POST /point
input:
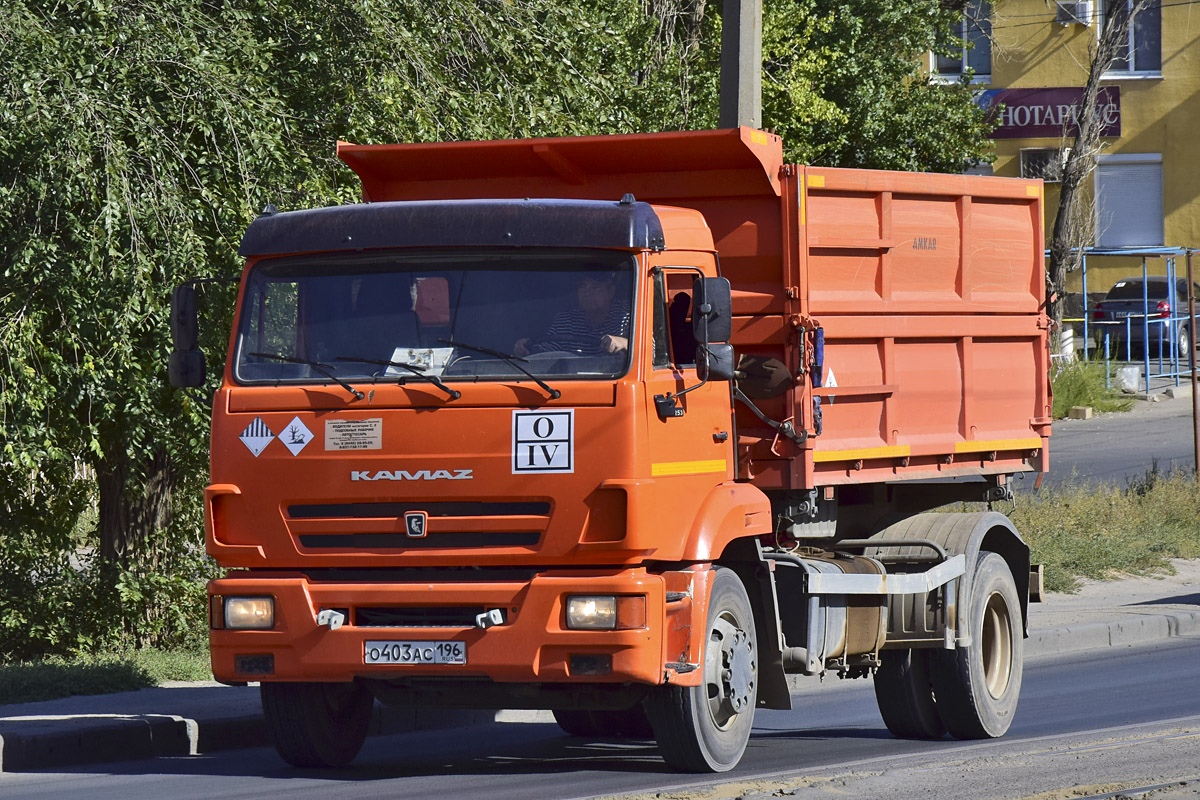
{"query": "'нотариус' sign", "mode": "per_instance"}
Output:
(1049, 113)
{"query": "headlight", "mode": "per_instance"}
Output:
(606, 612)
(592, 612)
(250, 613)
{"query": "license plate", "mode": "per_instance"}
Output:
(392, 652)
(1125, 314)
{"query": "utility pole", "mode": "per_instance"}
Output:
(741, 64)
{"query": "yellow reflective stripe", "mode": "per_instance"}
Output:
(816, 181)
(900, 451)
(998, 444)
(688, 467)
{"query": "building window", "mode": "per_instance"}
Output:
(1141, 50)
(1129, 201)
(972, 50)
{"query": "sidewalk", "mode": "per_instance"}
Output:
(192, 718)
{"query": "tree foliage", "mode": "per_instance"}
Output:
(842, 84)
(137, 138)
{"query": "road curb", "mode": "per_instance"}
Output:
(1133, 629)
(35, 743)
(55, 741)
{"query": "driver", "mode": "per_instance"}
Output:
(595, 326)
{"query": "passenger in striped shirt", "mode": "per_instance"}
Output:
(596, 326)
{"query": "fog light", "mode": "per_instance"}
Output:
(592, 612)
(250, 613)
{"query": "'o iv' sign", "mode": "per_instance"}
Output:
(543, 441)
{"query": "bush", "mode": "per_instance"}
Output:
(1081, 383)
(55, 676)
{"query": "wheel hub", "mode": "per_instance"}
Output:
(738, 676)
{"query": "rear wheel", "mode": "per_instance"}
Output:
(317, 724)
(904, 692)
(1184, 344)
(705, 728)
(977, 686)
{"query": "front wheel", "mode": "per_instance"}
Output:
(317, 724)
(977, 686)
(705, 728)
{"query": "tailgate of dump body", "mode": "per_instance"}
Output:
(927, 289)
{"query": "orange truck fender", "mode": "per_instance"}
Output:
(729, 512)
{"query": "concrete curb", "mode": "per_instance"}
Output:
(64, 741)
(53, 741)
(1136, 628)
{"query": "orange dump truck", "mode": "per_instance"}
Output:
(629, 428)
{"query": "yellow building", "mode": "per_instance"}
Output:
(1033, 56)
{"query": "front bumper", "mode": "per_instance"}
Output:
(531, 645)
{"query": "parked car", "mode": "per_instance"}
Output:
(1121, 311)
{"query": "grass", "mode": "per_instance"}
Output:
(1081, 383)
(57, 676)
(1090, 532)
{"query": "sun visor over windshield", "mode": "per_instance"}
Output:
(457, 223)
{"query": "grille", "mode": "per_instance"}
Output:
(451, 524)
(408, 617)
(447, 509)
(400, 541)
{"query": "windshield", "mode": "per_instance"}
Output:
(452, 316)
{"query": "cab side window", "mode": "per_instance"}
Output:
(674, 345)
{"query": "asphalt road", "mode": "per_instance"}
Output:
(1118, 448)
(1136, 696)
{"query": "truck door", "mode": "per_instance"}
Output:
(692, 452)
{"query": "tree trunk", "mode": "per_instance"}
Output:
(131, 516)
(1070, 233)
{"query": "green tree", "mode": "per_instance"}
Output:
(843, 84)
(138, 137)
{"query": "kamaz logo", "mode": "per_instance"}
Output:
(924, 243)
(405, 475)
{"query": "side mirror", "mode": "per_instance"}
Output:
(712, 310)
(186, 369)
(715, 362)
(185, 330)
(760, 377)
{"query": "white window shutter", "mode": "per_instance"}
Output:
(1129, 204)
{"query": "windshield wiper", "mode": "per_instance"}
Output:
(508, 358)
(324, 369)
(415, 370)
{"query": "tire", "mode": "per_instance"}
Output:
(705, 728)
(630, 723)
(1184, 344)
(317, 724)
(977, 687)
(904, 692)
